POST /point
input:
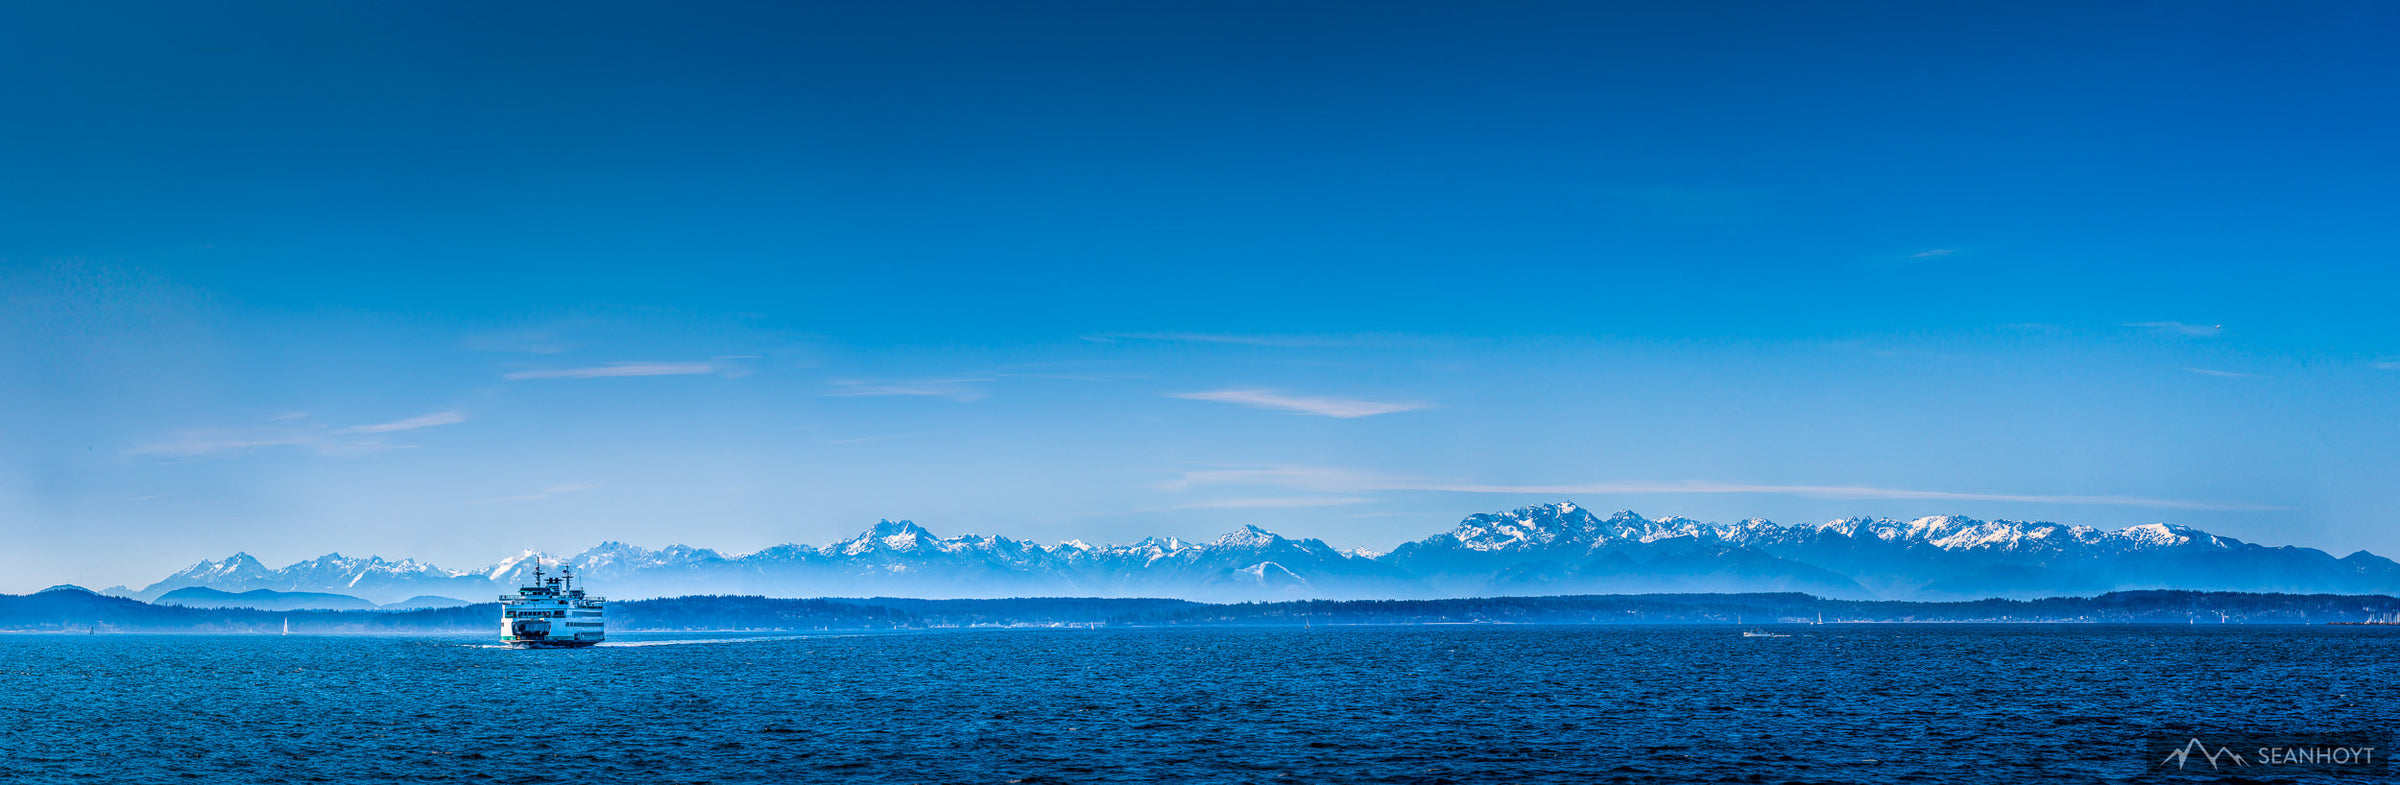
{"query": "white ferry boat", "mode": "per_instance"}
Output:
(552, 613)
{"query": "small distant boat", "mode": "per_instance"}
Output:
(287, 625)
(1762, 634)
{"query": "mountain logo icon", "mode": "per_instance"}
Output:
(2182, 756)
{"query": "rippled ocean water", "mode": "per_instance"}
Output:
(1835, 703)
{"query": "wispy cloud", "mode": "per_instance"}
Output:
(1322, 407)
(410, 424)
(1257, 503)
(224, 441)
(962, 390)
(2180, 328)
(1272, 503)
(1337, 480)
(2385, 364)
(1347, 340)
(1933, 253)
(2224, 374)
(1852, 492)
(617, 369)
(289, 430)
(543, 494)
(1311, 478)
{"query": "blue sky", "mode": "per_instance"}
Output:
(448, 281)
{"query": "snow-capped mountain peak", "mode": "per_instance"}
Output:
(236, 567)
(2166, 535)
(1533, 527)
(617, 558)
(525, 560)
(888, 536)
(1553, 527)
(612, 554)
(680, 553)
(1166, 544)
(1248, 537)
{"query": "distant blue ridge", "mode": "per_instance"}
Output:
(1551, 549)
(78, 611)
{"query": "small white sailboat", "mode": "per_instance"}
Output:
(287, 625)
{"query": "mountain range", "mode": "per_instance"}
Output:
(271, 600)
(1551, 549)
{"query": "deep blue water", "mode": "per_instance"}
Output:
(1880, 703)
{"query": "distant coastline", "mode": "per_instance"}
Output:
(76, 610)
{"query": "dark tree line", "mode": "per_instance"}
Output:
(72, 611)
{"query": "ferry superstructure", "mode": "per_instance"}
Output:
(551, 613)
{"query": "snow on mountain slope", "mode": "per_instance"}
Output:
(1934, 557)
(1552, 548)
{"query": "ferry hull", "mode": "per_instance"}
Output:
(548, 644)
